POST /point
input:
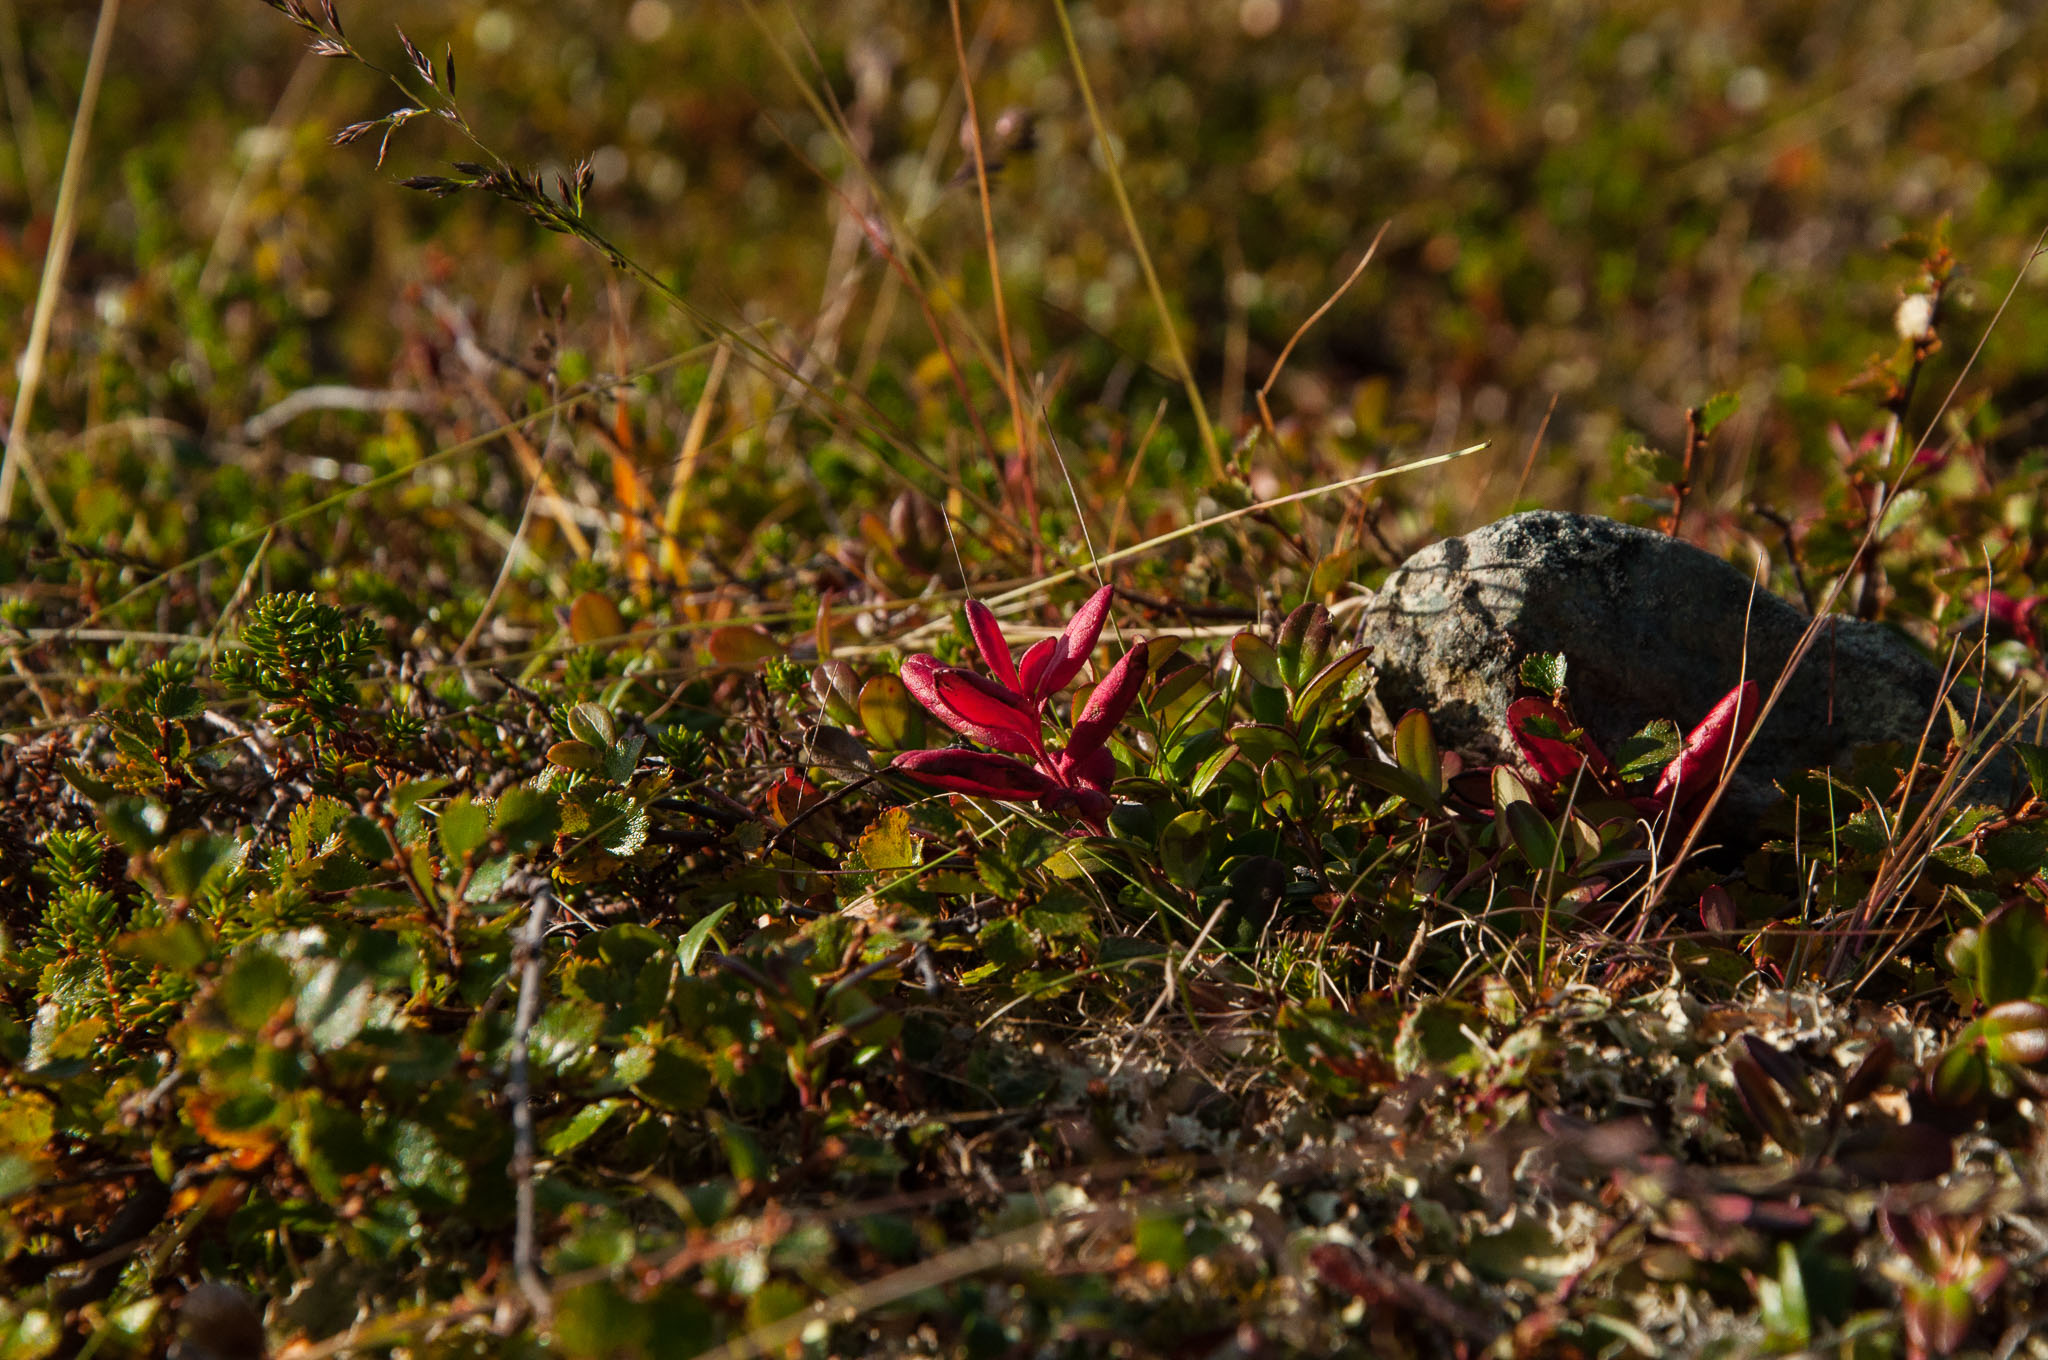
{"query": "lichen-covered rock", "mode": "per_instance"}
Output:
(1650, 627)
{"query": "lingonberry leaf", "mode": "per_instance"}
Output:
(1549, 745)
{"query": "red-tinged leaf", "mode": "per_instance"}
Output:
(921, 675)
(1555, 759)
(791, 796)
(1077, 643)
(1688, 780)
(989, 640)
(918, 674)
(740, 647)
(1938, 1317)
(1339, 1268)
(1766, 1109)
(1717, 911)
(1095, 770)
(594, 616)
(1035, 667)
(2016, 616)
(1108, 703)
(991, 714)
(975, 772)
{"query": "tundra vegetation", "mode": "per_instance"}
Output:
(701, 694)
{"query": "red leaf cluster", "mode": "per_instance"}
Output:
(1006, 709)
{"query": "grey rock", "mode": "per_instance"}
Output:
(1650, 627)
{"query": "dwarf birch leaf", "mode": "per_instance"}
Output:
(1544, 672)
(465, 825)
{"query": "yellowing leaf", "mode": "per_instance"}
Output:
(594, 616)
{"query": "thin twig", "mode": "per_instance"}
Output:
(519, 1095)
(63, 228)
(330, 397)
(1265, 411)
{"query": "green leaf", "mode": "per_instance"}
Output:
(1185, 848)
(1415, 751)
(419, 1161)
(257, 984)
(1544, 672)
(1327, 684)
(675, 1080)
(1161, 1239)
(1260, 742)
(591, 724)
(1715, 410)
(580, 756)
(1212, 768)
(1904, 507)
(579, 1128)
(692, 943)
(524, 817)
(1532, 834)
(1648, 751)
(2013, 954)
(2034, 759)
(743, 1154)
(180, 947)
(333, 1004)
(1006, 941)
(565, 1032)
(195, 861)
(1304, 644)
(1257, 659)
(465, 825)
(893, 719)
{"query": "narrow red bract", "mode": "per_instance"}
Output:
(976, 772)
(989, 640)
(1034, 670)
(1008, 714)
(1688, 780)
(1108, 703)
(995, 714)
(1077, 643)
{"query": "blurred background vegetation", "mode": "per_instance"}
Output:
(1624, 206)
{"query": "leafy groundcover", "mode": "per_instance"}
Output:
(629, 840)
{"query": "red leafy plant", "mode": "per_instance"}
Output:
(1006, 711)
(1561, 754)
(2013, 614)
(1944, 1277)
